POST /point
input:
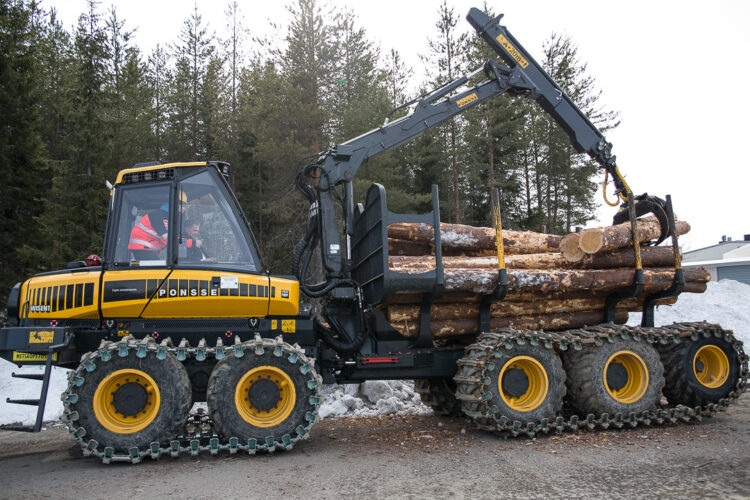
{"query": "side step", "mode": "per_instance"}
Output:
(18, 428)
(42, 401)
(30, 402)
(29, 376)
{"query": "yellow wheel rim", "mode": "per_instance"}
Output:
(126, 401)
(536, 390)
(265, 396)
(711, 366)
(637, 377)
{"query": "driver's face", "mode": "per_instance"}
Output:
(192, 230)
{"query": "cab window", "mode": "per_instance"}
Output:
(143, 226)
(210, 233)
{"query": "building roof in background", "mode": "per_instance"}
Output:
(716, 252)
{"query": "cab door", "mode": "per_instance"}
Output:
(132, 275)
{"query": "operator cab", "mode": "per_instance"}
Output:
(180, 215)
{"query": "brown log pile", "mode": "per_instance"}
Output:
(554, 282)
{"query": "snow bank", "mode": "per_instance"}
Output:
(725, 302)
(19, 388)
(374, 397)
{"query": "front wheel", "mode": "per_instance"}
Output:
(266, 392)
(127, 401)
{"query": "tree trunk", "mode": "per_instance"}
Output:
(458, 327)
(459, 236)
(604, 239)
(650, 257)
(569, 248)
(521, 296)
(501, 309)
(563, 280)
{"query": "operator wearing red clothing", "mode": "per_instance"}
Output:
(150, 234)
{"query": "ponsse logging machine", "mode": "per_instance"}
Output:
(180, 310)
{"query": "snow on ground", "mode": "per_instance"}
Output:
(19, 388)
(725, 302)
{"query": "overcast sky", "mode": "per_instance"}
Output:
(677, 71)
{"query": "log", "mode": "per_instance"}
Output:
(521, 296)
(650, 257)
(569, 248)
(502, 309)
(563, 280)
(470, 238)
(604, 239)
(399, 247)
(405, 247)
(458, 327)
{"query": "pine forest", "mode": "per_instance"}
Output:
(80, 104)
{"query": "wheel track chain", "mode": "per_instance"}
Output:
(473, 382)
(198, 435)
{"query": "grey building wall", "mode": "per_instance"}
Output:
(739, 273)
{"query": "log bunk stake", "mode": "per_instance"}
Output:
(678, 284)
(502, 274)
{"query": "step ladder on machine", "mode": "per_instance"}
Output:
(44, 377)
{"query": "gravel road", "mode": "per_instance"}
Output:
(410, 457)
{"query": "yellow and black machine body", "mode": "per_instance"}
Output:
(168, 283)
(180, 309)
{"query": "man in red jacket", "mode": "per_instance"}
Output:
(150, 233)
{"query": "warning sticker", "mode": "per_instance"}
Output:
(27, 356)
(41, 337)
(230, 282)
(288, 325)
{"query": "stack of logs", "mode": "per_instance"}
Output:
(554, 282)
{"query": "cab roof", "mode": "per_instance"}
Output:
(161, 170)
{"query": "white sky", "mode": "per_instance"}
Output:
(675, 70)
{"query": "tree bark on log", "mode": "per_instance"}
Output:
(469, 238)
(502, 309)
(604, 239)
(650, 257)
(521, 296)
(554, 280)
(458, 327)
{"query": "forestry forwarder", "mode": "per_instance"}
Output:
(147, 337)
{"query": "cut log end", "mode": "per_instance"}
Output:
(591, 241)
(570, 248)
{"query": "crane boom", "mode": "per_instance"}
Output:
(520, 75)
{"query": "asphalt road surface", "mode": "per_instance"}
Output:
(410, 457)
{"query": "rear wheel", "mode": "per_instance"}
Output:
(130, 401)
(699, 372)
(440, 395)
(620, 377)
(524, 384)
(267, 391)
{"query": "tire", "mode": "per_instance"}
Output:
(440, 395)
(268, 393)
(534, 368)
(633, 368)
(682, 383)
(101, 401)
